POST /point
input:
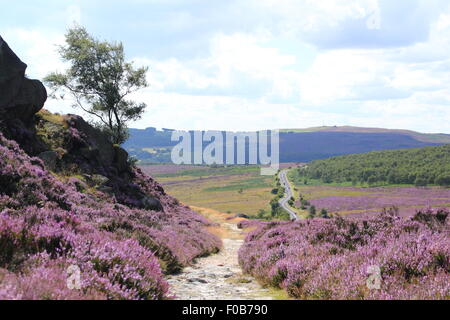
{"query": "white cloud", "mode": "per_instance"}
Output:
(334, 75)
(238, 64)
(37, 48)
(374, 63)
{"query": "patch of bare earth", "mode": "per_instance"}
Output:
(218, 277)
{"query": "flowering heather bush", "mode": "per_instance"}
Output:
(329, 259)
(47, 224)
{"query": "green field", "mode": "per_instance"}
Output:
(236, 189)
(241, 189)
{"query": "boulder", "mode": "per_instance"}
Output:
(96, 179)
(12, 74)
(50, 158)
(100, 150)
(120, 159)
(105, 189)
(20, 98)
(30, 99)
(241, 215)
(150, 203)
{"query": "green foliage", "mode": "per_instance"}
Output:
(421, 182)
(305, 202)
(99, 80)
(277, 212)
(274, 204)
(262, 214)
(281, 214)
(443, 179)
(312, 212)
(424, 166)
(324, 214)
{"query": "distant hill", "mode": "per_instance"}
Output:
(422, 166)
(298, 145)
(423, 137)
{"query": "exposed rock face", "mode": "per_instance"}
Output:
(66, 144)
(20, 98)
(12, 72)
(49, 157)
(98, 149)
(120, 159)
(150, 203)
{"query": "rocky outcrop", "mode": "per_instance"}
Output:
(20, 98)
(66, 144)
(94, 145)
(65, 187)
(150, 203)
(49, 157)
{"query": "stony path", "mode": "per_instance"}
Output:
(218, 277)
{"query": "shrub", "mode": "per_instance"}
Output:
(312, 212)
(330, 258)
(443, 180)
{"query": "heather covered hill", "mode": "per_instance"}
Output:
(383, 257)
(68, 197)
(309, 146)
(424, 166)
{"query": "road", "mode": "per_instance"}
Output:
(288, 194)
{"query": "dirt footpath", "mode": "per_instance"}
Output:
(218, 277)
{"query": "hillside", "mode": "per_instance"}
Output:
(423, 137)
(330, 259)
(70, 200)
(298, 145)
(422, 166)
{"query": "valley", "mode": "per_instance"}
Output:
(241, 190)
(226, 189)
(274, 259)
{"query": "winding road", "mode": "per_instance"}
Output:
(288, 194)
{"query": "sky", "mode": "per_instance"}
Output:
(260, 64)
